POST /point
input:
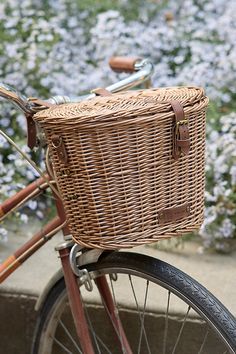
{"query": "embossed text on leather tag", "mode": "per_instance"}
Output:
(173, 214)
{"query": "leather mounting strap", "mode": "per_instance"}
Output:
(181, 141)
(59, 146)
(31, 126)
(100, 91)
(31, 131)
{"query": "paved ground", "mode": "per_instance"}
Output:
(216, 272)
(20, 291)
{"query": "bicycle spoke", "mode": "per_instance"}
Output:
(181, 330)
(69, 335)
(166, 323)
(115, 320)
(119, 330)
(63, 347)
(95, 336)
(204, 341)
(142, 321)
(140, 316)
(110, 317)
(91, 329)
(132, 298)
(102, 343)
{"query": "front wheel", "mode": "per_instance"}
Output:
(162, 310)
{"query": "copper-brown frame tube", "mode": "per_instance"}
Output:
(40, 238)
(36, 187)
(76, 305)
(112, 313)
(30, 247)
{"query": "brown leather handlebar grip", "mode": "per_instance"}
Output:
(123, 64)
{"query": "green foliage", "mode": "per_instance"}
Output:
(130, 10)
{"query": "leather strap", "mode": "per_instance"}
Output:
(29, 110)
(60, 148)
(31, 126)
(101, 92)
(31, 131)
(40, 104)
(181, 141)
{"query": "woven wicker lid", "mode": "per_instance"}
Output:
(121, 106)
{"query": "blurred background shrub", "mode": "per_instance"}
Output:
(53, 47)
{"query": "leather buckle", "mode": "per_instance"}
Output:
(181, 142)
(59, 146)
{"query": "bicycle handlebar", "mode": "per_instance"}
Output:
(11, 94)
(142, 69)
(124, 64)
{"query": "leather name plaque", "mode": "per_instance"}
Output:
(173, 214)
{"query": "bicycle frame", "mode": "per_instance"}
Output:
(59, 222)
(39, 239)
(11, 263)
(142, 70)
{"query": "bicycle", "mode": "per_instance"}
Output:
(95, 275)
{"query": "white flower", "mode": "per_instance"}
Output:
(233, 174)
(24, 218)
(227, 228)
(3, 234)
(32, 204)
(57, 53)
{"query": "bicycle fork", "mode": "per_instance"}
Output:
(76, 304)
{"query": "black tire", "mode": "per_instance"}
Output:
(212, 322)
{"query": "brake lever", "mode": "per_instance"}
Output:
(29, 106)
(11, 94)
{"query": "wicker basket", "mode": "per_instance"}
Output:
(130, 167)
